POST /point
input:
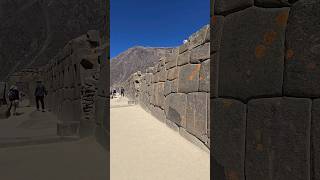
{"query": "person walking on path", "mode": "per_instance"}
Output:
(40, 93)
(13, 96)
(122, 92)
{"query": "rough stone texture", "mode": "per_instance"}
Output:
(216, 32)
(51, 24)
(172, 73)
(228, 135)
(204, 76)
(189, 78)
(165, 94)
(175, 108)
(225, 6)
(200, 53)
(184, 58)
(197, 108)
(302, 75)
(252, 53)
(315, 140)
(278, 138)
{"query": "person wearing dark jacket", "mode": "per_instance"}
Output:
(40, 93)
(14, 99)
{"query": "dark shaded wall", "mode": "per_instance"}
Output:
(265, 94)
(33, 31)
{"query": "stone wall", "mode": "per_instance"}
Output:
(71, 79)
(265, 89)
(176, 91)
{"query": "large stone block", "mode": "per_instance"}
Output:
(197, 108)
(278, 139)
(200, 53)
(189, 78)
(184, 58)
(204, 77)
(302, 74)
(225, 6)
(172, 73)
(199, 38)
(175, 108)
(252, 53)
(172, 61)
(228, 136)
(216, 33)
(162, 74)
(315, 141)
(174, 86)
(167, 87)
(159, 114)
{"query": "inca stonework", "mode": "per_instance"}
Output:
(176, 90)
(265, 89)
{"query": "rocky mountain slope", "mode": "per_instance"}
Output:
(134, 59)
(33, 31)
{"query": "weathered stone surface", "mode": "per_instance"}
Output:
(200, 53)
(199, 38)
(216, 32)
(189, 78)
(174, 86)
(252, 53)
(278, 138)
(214, 75)
(315, 141)
(93, 36)
(228, 136)
(302, 74)
(172, 125)
(163, 75)
(204, 77)
(159, 114)
(172, 73)
(160, 98)
(167, 87)
(172, 61)
(184, 47)
(175, 108)
(197, 108)
(225, 6)
(184, 58)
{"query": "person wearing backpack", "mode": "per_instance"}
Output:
(39, 93)
(13, 96)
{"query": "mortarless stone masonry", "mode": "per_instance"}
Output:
(265, 85)
(176, 90)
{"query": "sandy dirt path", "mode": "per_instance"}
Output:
(143, 148)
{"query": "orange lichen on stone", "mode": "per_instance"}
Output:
(289, 53)
(260, 51)
(194, 72)
(282, 18)
(226, 103)
(259, 147)
(269, 37)
(232, 175)
(214, 20)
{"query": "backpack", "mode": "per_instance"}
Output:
(11, 95)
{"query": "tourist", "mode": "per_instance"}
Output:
(40, 93)
(14, 99)
(122, 92)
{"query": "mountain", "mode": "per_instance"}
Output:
(33, 31)
(135, 59)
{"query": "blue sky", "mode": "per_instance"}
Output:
(154, 23)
